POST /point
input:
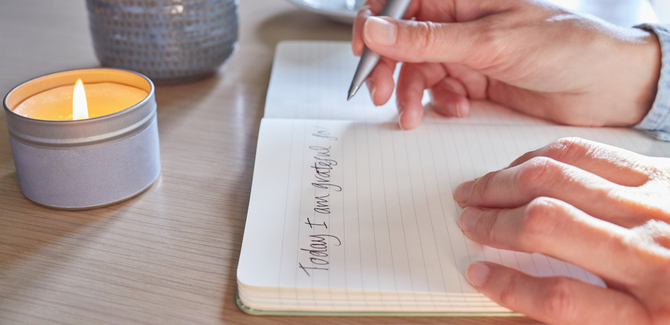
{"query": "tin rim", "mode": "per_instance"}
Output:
(68, 133)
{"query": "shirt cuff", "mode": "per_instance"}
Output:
(657, 121)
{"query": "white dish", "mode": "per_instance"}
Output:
(343, 11)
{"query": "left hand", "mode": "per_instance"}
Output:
(602, 208)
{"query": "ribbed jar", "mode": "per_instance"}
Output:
(170, 41)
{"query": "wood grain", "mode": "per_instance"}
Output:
(168, 256)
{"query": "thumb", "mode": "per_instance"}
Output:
(424, 41)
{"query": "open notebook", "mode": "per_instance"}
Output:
(350, 215)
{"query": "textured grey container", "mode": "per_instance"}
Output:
(170, 41)
(84, 163)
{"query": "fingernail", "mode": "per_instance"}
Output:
(469, 218)
(460, 109)
(400, 120)
(400, 106)
(477, 273)
(457, 109)
(453, 109)
(371, 88)
(462, 192)
(380, 31)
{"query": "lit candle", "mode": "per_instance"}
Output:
(84, 143)
(101, 99)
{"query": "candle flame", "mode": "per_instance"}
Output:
(79, 106)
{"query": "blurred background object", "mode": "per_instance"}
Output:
(662, 8)
(170, 41)
(343, 11)
(622, 13)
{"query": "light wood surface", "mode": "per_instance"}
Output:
(168, 256)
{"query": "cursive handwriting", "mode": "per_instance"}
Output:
(322, 204)
(318, 249)
(323, 133)
(323, 165)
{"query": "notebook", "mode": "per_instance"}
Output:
(350, 215)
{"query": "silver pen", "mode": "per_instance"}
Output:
(394, 9)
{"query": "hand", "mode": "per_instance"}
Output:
(528, 55)
(596, 206)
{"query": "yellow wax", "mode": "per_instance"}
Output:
(103, 99)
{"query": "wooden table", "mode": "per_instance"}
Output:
(170, 254)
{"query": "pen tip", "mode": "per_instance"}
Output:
(352, 92)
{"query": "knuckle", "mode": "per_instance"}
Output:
(539, 221)
(426, 35)
(534, 175)
(558, 299)
(491, 35)
(508, 292)
(569, 149)
(483, 186)
(490, 229)
(650, 241)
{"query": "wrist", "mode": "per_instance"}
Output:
(657, 120)
(650, 60)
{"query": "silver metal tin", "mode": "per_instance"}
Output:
(85, 163)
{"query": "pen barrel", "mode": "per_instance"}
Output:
(368, 62)
(395, 8)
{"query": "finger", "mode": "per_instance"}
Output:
(657, 231)
(412, 81)
(555, 300)
(380, 82)
(468, 43)
(357, 43)
(523, 100)
(654, 237)
(541, 176)
(557, 229)
(373, 8)
(611, 163)
(449, 98)
(475, 83)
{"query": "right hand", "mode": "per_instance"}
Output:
(528, 55)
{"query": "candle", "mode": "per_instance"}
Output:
(86, 145)
(102, 98)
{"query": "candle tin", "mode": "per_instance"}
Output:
(85, 163)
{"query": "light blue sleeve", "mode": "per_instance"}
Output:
(657, 121)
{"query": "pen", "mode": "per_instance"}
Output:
(394, 9)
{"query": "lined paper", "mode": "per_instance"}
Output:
(310, 80)
(392, 229)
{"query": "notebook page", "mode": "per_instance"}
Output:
(367, 208)
(307, 75)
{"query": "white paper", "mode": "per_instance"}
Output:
(393, 225)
